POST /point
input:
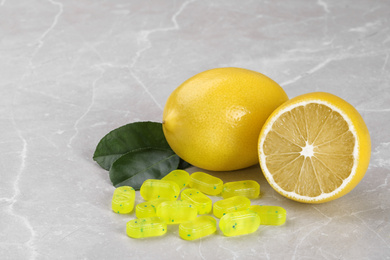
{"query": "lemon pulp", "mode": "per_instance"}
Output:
(314, 150)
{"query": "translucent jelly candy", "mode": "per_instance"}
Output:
(180, 177)
(153, 189)
(206, 183)
(148, 209)
(146, 227)
(231, 204)
(176, 212)
(123, 200)
(199, 227)
(203, 203)
(239, 223)
(248, 188)
(270, 215)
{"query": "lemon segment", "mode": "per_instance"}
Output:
(314, 148)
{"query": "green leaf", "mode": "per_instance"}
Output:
(135, 167)
(129, 138)
(136, 152)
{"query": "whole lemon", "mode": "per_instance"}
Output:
(213, 120)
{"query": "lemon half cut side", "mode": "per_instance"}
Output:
(314, 148)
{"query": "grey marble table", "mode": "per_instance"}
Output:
(71, 71)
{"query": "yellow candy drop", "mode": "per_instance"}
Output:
(148, 209)
(206, 183)
(247, 188)
(239, 223)
(180, 177)
(203, 203)
(176, 212)
(146, 227)
(270, 215)
(231, 204)
(123, 200)
(199, 227)
(153, 189)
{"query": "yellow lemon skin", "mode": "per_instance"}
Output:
(213, 119)
(363, 141)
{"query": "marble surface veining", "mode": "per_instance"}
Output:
(71, 71)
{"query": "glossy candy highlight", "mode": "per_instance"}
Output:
(180, 177)
(176, 212)
(203, 203)
(206, 183)
(123, 200)
(231, 204)
(199, 227)
(270, 215)
(146, 227)
(247, 188)
(153, 189)
(239, 223)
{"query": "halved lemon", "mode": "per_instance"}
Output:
(314, 148)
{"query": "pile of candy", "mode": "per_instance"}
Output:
(161, 207)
